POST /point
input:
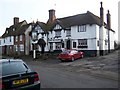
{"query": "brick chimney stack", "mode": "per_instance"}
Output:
(109, 20)
(101, 14)
(52, 16)
(15, 20)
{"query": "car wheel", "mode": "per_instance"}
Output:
(73, 59)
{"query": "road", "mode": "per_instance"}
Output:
(54, 75)
(92, 72)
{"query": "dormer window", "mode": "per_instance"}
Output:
(13, 29)
(7, 32)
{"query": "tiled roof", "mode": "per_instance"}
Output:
(15, 29)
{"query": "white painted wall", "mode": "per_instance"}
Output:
(112, 39)
(7, 41)
(90, 35)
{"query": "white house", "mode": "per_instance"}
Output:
(85, 32)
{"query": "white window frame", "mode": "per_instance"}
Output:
(16, 38)
(82, 42)
(21, 47)
(10, 38)
(16, 48)
(21, 37)
(82, 28)
(68, 32)
(58, 33)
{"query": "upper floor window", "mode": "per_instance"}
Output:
(7, 31)
(20, 37)
(4, 40)
(68, 32)
(16, 48)
(82, 28)
(16, 38)
(57, 26)
(10, 38)
(21, 47)
(38, 29)
(13, 29)
(58, 33)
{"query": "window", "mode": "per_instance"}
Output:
(74, 44)
(57, 33)
(106, 41)
(16, 38)
(13, 67)
(10, 38)
(20, 37)
(58, 46)
(98, 43)
(13, 29)
(4, 40)
(38, 29)
(82, 28)
(82, 43)
(51, 46)
(21, 47)
(7, 32)
(57, 27)
(16, 48)
(68, 32)
(0, 42)
(63, 45)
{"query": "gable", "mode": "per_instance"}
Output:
(38, 29)
(57, 26)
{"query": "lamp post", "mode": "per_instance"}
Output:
(34, 39)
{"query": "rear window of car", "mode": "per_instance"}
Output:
(13, 68)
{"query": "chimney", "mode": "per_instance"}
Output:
(15, 20)
(101, 15)
(109, 20)
(52, 16)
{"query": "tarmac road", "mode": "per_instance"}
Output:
(91, 72)
(55, 75)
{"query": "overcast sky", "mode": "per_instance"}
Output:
(33, 10)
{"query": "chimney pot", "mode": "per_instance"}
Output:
(109, 20)
(15, 20)
(52, 16)
(101, 14)
(101, 4)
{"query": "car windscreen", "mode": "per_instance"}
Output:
(13, 68)
(66, 51)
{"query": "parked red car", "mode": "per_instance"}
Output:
(70, 55)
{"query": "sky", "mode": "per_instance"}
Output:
(33, 10)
